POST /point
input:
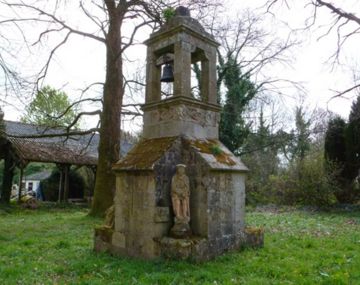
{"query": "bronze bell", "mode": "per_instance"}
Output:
(167, 74)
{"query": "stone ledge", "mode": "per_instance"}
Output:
(181, 100)
(183, 249)
(201, 249)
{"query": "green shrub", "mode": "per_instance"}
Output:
(305, 182)
(168, 13)
(50, 186)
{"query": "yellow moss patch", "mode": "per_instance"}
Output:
(213, 147)
(104, 232)
(254, 230)
(145, 153)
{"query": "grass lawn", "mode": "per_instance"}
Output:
(54, 246)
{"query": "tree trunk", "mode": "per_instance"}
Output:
(109, 145)
(8, 176)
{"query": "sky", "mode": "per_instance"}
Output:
(82, 61)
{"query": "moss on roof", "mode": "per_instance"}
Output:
(145, 154)
(214, 148)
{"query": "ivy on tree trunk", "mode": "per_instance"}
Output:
(109, 145)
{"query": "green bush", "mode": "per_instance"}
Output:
(50, 186)
(168, 13)
(305, 182)
(88, 177)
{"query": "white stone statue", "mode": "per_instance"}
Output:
(180, 194)
(14, 191)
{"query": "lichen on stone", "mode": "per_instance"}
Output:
(254, 230)
(104, 232)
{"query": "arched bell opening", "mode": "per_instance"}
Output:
(196, 81)
(198, 61)
(166, 64)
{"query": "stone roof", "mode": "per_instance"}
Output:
(185, 22)
(148, 151)
(216, 155)
(145, 154)
(76, 150)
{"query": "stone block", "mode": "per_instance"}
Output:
(119, 240)
(102, 238)
(184, 249)
(254, 237)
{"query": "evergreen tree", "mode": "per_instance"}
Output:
(240, 90)
(335, 149)
(261, 156)
(353, 140)
(301, 136)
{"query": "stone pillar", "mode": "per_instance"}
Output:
(153, 75)
(208, 78)
(182, 69)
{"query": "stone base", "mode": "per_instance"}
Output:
(103, 238)
(254, 237)
(181, 230)
(202, 249)
(190, 248)
(184, 249)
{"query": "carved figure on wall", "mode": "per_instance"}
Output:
(180, 194)
(180, 197)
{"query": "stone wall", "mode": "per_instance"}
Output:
(143, 209)
(164, 170)
(138, 220)
(217, 204)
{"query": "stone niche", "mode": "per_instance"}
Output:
(181, 129)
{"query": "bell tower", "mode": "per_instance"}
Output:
(176, 47)
(180, 193)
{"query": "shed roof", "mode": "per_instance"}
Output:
(76, 149)
(38, 176)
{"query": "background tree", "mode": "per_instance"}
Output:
(106, 25)
(335, 155)
(343, 24)
(301, 142)
(246, 50)
(260, 154)
(353, 141)
(335, 149)
(50, 107)
(233, 128)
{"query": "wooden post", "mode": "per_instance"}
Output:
(60, 183)
(9, 166)
(20, 183)
(66, 182)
